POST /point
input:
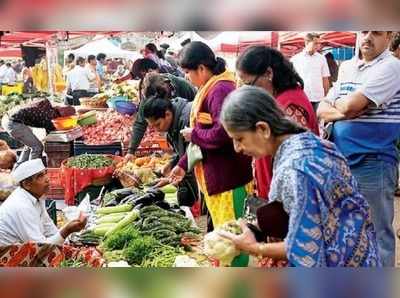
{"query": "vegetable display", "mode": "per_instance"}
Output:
(89, 161)
(139, 248)
(166, 226)
(110, 127)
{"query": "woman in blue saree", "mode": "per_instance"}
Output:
(329, 220)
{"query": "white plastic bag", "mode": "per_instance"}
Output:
(72, 212)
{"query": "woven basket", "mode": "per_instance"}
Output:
(93, 103)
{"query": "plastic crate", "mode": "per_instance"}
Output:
(56, 191)
(57, 152)
(82, 148)
(12, 143)
(17, 88)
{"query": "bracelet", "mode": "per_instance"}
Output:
(261, 248)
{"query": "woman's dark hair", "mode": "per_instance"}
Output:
(255, 61)
(248, 105)
(155, 84)
(196, 53)
(141, 66)
(156, 107)
(151, 47)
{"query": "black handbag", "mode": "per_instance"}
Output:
(273, 220)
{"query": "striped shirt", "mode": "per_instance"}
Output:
(376, 131)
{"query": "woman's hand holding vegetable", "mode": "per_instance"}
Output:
(176, 175)
(245, 242)
(162, 182)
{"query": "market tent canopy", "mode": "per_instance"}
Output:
(229, 41)
(293, 42)
(236, 42)
(10, 53)
(103, 46)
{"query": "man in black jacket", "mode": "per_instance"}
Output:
(171, 116)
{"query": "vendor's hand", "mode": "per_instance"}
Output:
(129, 157)
(176, 175)
(162, 182)
(75, 225)
(166, 170)
(245, 242)
(187, 134)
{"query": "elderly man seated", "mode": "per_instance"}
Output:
(23, 216)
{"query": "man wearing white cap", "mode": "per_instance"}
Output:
(23, 216)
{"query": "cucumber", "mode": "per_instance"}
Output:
(128, 219)
(101, 230)
(115, 209)
(111, 218)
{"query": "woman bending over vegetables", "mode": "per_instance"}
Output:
(329, 220)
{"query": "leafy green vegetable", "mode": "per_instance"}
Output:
(89, 161)
(121, 238)
(139, 248)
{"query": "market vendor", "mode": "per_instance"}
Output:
(23, 216)
(151, 83)
(329, 222)
(171, 116)
(78, 82)
(38, 113)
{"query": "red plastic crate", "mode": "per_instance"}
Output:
(56, 191)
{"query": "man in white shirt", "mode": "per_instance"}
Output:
(313, 69)
(23, 216)
(3, 68)
(94, 84)
(364, 107)
(10, 76)
(78, 81)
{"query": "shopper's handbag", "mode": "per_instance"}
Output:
(273, 220)
(194, 155)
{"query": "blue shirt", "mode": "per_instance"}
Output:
(377, 130)
(100, 70)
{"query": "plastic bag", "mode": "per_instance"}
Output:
(194, 155)
(73, 212)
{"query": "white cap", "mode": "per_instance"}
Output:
(28, 169)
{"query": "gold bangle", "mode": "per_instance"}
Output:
(261, 248)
